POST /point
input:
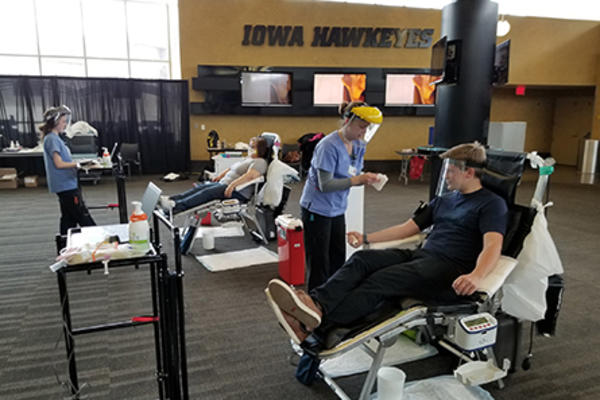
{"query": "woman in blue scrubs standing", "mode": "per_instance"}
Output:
(336, 166)
(61, 170)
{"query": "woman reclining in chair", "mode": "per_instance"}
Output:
(469, 224)
(223, 186)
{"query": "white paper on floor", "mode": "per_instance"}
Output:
(357, 361)
(444, 387)
(238, 259)
(225, 230)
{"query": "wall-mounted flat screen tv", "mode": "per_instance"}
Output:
(409, 89)
(501, 63)
(266, 89)
(334, 89)
(438, 58)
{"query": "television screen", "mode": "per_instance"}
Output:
(408, 89)
(334, 89)
(438, 57)
(266, 89)
(501, 63)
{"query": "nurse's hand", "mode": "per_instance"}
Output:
(366, 178)
(355, 239)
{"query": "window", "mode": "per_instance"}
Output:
(96, 38)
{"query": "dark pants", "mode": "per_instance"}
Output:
(201, 194)
(324, 246)
(73, 211)
(372, 276)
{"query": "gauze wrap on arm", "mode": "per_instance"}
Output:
(327, 183)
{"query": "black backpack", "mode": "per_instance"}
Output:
(308, 142)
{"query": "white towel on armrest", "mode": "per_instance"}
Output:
(494, 280)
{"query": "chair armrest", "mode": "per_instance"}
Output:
(260, 179)
(400, 243)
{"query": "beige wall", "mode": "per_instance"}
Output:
(572, 120)
(535, 109)
(553, 52)
(543, 52)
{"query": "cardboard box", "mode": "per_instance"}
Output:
(31, 181)
(8, 178)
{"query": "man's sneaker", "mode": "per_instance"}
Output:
(290, 325)
(302, 308)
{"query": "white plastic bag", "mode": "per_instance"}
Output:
(272, 191)
(524, 292)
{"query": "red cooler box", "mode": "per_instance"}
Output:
(290, 246)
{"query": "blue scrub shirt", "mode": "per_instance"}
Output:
(331, 156)
(58, 180)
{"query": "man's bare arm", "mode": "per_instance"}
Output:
(466, 285)
(395, 232)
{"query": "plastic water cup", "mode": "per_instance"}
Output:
(390, 383)
(208, 241)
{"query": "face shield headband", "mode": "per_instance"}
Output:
(54, 113)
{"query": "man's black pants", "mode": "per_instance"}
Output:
(372, 276)
(73, 211)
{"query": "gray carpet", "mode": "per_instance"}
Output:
(235, 348)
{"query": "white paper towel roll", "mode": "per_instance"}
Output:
(390, 383)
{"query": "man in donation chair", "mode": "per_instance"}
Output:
(469, 224)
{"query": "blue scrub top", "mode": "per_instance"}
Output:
(58, 180)
(331, 156)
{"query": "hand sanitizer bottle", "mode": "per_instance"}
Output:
(139, 230)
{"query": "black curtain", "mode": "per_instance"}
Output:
(152, 113)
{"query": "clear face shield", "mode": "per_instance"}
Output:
(451, 176)
(366, 114)
(55, 113)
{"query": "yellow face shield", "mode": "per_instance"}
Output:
(369, 114)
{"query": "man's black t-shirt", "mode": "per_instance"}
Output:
(460, 221)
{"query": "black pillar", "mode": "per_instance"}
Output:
(463, 109)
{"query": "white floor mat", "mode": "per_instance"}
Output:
(226, 230)
(444, 387)
(237, 259)
(357, 361)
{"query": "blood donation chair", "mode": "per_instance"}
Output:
(258, 215)
(475, 329)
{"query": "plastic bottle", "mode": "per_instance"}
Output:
(139, 230)
(106, 157)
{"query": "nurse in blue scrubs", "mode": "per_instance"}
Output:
(336, 166)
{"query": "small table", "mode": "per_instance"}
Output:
(405, 156)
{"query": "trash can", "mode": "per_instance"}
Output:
(290, 247)
(589, 166)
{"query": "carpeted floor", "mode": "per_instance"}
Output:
(235, 348)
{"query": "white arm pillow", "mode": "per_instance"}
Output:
(272, 191)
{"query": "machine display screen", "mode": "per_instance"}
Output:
(476, 321)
